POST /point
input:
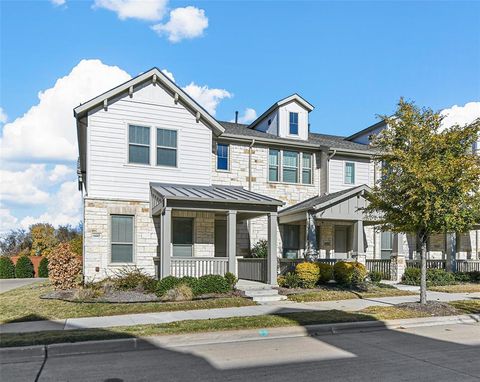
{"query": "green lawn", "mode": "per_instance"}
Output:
(332, 293)
(234, 323)
(457, 288)
(25, 304)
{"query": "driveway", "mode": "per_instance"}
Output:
(9, 284)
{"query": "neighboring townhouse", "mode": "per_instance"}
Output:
(171, 190)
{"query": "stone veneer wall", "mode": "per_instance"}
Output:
(97, 236)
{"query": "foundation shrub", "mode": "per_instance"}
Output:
(342, 272)
(231, 279)
(375, 276)
(211, 284)
(64, 267)
(308, 274)
(129, 278)
(181, 292)
(166, 284)
(435, 277)
(290, 280)
(326, 273)
(7, 268)
(260, 249)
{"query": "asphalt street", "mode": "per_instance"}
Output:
(436, 353)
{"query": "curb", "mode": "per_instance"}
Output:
(21, 354)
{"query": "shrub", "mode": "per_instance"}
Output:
(129, 278)
(342, 272)
(260, 249)
(359, 274)
(411, 276)
(467, 277)
(181, 292)
(290, 280)
(192, 282)
(231, 279)
(165, 284)
(64, 267)
(375, 276)
(7, 268)
(211, 284)
(24, 268)
(308, 274)
(437, 277)
(43, 267)
(326, 272)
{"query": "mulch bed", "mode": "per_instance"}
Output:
(433, 308)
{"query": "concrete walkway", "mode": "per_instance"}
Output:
(9, 284)
(257, 310)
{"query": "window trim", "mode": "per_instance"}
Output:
(305, 168)
(297, 168)
(290, 123)
(228, 157)
(278, 166)
(281, 165)
(345, 173)
(166, 147)
(110, 242)
(128, 124)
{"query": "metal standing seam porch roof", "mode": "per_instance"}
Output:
(163, 193)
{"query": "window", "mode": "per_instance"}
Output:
(122, 239)
(166, 147)
(138, 144)
(182, 237)
(291, 241)
(290, 166)
(273, 165)
(306, 168)
(222, 156)
(349, 173)
(293, 123)
(386, 244)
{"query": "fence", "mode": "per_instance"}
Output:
(252, 269)
(198, 266)
(379, 265)
(288, 265)
(431, 264)
(467, 265)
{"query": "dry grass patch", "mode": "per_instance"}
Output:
(457, 288)
(25, 304)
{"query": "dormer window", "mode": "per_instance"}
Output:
(293, 123)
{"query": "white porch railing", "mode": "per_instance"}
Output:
(198, 266)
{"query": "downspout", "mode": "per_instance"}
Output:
(250, 165)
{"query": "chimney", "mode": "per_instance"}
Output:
(236, 117)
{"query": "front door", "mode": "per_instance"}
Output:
(341, 240)
(220, 238)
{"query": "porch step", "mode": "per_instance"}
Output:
(259, 292)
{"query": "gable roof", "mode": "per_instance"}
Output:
(154, 75)
(323, 201)
(366, 130)
(335, 142)
(294, 97)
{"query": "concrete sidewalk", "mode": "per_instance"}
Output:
(257, 310)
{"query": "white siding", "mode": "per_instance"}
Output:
(363, 173)
(109, 173)
(365, 138)
(271, 128)
(284, 121)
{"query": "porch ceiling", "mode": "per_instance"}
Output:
(215, 197)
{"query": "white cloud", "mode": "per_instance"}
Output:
(59, 173)
(461, 115)
(208, 98)
(7, 221)
(168, 74)
(184, 23)
(249, 115)
(24, 187)
(47, 131)
(149, 10)
(58, 2)
(62, 208)
(3, 116)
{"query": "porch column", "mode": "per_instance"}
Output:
(232, 241)
(166, 228)
(358, 241)
(272, 249)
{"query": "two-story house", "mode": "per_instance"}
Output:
(171, 190)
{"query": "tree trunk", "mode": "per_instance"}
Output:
(423, 270)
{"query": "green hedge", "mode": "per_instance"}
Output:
(349, 273)
(435, 277)
(24, 268)
(204, 285)
(43, 267)
(7, 268)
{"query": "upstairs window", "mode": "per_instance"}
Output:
(290, 167)
(122, 239)
(293, 123)
(306, 168)
(349, 173)
(222, 156)
(166, 147)
(273, 165)
(138, 144)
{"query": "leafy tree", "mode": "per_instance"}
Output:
(66, 233)
(15, 241)
(76, 245)
(43, 239)
(431, 178)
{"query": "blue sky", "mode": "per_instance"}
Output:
(352, 60)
